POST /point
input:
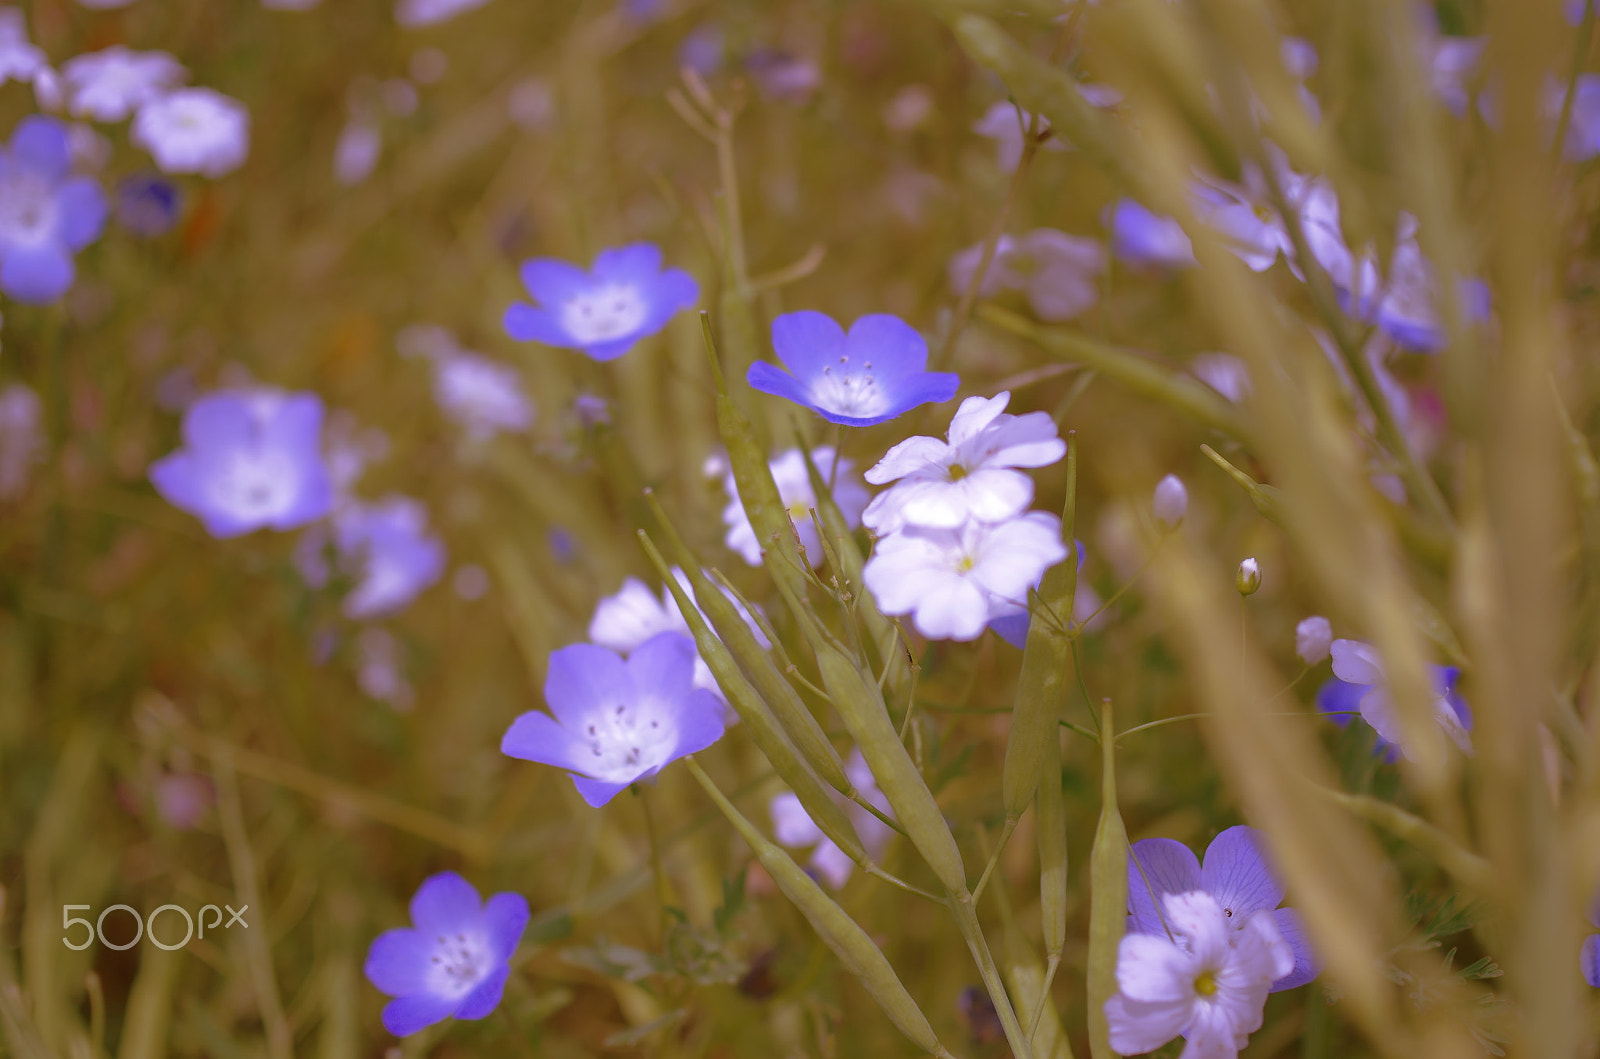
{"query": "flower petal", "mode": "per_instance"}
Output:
(635, 263)
(1589, 958)
(505, 917)
(921, 456)
(39, 145)
(535, 736)
(525, 323)
(552, 281)
(807, 341)
(1355, 662)
(700, 722)
(1152, 969)
(583, 678)
(36, 274)
(485, 996)
(1306, 965)
(1156, 867)
(1137, 1027)
(1236, 873)
(892, 346)
(663, 666)
(446, 903)
(82, 209)
(766, 378)
(408, 1014)
(792, 826)
(598, 792)
(397, 961)
(1339, 700)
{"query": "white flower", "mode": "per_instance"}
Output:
(972, 475)
(952, 581)
(109, 85)
(1312, 638)
(1208, 982)
(792, 826)
(481, 395)
(194, 130)
(1170, 502)
(794, 489)
(19, 60)
(1358, 663)
(414, 13)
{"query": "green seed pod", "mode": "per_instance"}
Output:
(1108, 894)
(758, 493)
(860, 704)
(736, 638)
(837, 930)
(1046, 661)
(1051, 822)
(758, 719)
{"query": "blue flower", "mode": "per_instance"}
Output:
(617, 722)
(455, 961)
(147, 204)
(604, 311)
(1589, 956)
(387, 546)
(251, 459)
(871, 375)
(1235, 874)
(1360, 686)
(1142, 237)
(46, 213)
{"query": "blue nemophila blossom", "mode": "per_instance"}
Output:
(1235, 874)
(46, 213)
(971, 475)
(251, 459)
(1205, 979)
(386, 546)
(484, 397)
(454, 960)
(1360, 686)
(876, 372)
(1143, 237)
(624, 297)
(617, 722)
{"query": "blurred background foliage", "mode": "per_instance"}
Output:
(182, 719)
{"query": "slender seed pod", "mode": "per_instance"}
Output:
(758, 493)
(1051, 823)
(1108, 893)
(831, 527)
(860, 704)
(837, 930)
(1046, 661)
(758, 719)
(783, 702)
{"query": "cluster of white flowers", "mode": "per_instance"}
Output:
(186, 130)
(957, 546)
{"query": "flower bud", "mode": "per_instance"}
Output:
(1311, 639)
(1170, 503)
(1248, 577)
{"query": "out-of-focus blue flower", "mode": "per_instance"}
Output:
(386, 546)
(702, 49)
(873, 374)
(482, 396)
(453, 962)
(46, 213)
(1583, 135)
(624, 297)
(1142, 237)
(1358, 686)
(1589, 957)
(147, 204)
(617, 722)
(251, 459)
(1234, 872)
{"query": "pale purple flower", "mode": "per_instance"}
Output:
(454, 960)
(484, 397)
(1240, 214)
(1359, 684)
(194, 130)
(1010, 619)
(386, 547)
(110, 84)
(46, 213)
(1058, 272)
(1235, 873)
(251, 459)
(1006, 124)
(872, 374)
(792, 826)
(1142, 237)
(356, 153)
(1224, 373)
(794, 489)
(413, 14)
(970, 475)
(380, 670)
(1170, 502)
(617, 722)
(19, 59)
(1589, 955)
(1312, 639)
(952, 581)
(21, 438)
(624, 297)
(1206, 982)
